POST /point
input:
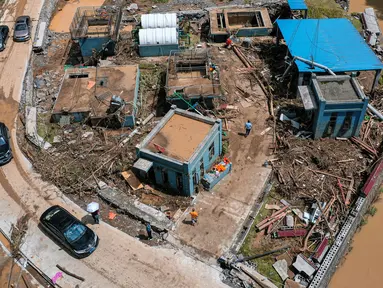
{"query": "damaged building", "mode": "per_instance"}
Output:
(96, 30)
(102, 96)
(335, 104)
(239, 22)
(179, 151)
(192, 77)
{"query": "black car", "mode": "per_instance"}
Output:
(22, 30)
(69, 231)
(5, 147)
(4, 31)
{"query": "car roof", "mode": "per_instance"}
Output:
(22, 19)
(58, 217)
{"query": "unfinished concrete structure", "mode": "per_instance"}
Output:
(180, 150)
(105, 96)
(191, 76)
(240, 22)
(336, 105)
(96, 29)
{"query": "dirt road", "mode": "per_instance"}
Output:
(120, 260)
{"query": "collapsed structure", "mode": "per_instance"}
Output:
(96, 29)
(240, 22)
(105, 96)
(191, 76)
(179, 151)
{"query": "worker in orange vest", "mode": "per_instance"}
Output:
(194, 217)
(229, 43)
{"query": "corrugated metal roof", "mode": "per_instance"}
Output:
(334, 43)
(297, 4)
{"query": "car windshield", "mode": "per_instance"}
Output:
(2, 141)
(21, 27)
(74, 232)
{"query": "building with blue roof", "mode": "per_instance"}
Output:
(298, 5)
(333, 43)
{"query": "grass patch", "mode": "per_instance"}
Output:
(364, 221)
(265, 267)
(372, 211)
(147, 66)
(264, 264)
(324, 9)
(225, 147)
(45, 129)
(357, 24)
(160, 1)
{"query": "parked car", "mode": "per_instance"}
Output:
(5, 147)
(69, 231)
(22, 31)
(4, 32)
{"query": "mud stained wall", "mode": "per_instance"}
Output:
(343, 249)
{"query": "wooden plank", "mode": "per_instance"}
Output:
(132, 180)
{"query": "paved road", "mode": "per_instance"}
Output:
(120, 260)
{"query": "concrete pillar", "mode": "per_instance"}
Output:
(376, 81)
(300, 79)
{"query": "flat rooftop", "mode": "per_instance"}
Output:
(334, 43)
(91, 89)
(339, 91)
(179, 137)
(222, 21)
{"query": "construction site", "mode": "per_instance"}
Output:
(145, 110)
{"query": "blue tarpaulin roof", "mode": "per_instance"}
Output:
(297, 4)
(334, 43)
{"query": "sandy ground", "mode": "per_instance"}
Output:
(120, 260)
(62, 19)
(223, 210)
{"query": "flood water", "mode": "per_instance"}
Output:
(360, 5)
(362, 266)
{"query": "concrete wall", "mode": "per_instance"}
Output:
(156, 50)
(130, 120)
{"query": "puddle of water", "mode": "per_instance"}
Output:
(62, 20)
(362, 266)
(360, 5)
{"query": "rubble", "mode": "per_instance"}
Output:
(281, 267)
(158, 220)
